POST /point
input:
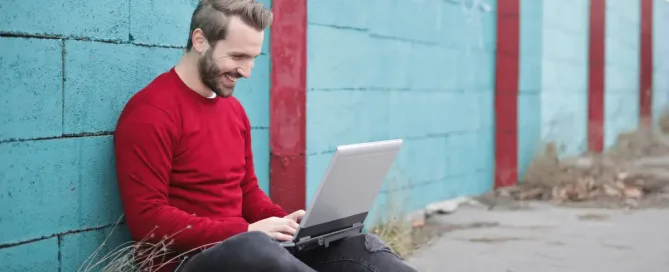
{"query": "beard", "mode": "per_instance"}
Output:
(211, 75)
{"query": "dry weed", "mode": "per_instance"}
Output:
(623, 172)
(392, 226)
(136, 256)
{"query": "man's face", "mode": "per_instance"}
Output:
(222, 63)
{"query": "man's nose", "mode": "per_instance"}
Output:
(246, 73)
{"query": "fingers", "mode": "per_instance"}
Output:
(293, 224)
(297, 215)
(286, 226)
(285, 222)
(280, 236)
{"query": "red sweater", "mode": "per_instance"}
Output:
(185, 167)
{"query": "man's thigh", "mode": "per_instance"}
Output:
(364, 252)
(250, 251)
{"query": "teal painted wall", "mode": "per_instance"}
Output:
(530, 82)
(660, 58)
(67, 68)
(564, 74)
(553, 89)
(621, 68)
(419, 70)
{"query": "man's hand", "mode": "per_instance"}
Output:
(282, 229)
(296, 216)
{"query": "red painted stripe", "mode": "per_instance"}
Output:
(288, 47)
(506, 92)
(596, 75)
(646, 64)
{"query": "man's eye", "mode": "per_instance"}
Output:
(236, 57)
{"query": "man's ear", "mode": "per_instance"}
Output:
(200, 43)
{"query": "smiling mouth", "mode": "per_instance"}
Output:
(232, 78)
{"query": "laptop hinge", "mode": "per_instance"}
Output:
(325, 240)
(356, 228)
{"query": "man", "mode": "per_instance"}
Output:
(185, 166)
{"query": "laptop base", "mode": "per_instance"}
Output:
(308, 243)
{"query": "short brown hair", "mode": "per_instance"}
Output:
(212, 16)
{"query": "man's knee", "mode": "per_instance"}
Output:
(374, 244)
(243, 251)
(249, 240)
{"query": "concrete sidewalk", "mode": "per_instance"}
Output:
(547, 238)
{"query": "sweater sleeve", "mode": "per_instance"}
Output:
(256, 204)
(144, 143)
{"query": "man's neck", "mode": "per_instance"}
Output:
(188, 71)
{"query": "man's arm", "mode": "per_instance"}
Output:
(144, 144)
(256, 204)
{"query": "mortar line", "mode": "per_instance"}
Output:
(130, 37)
(60, 256)
(62, 136)
(14, 244)
(80, 38)
(62, 90)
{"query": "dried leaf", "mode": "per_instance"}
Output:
(611, 190)
(632, 192)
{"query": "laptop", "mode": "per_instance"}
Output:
(345, 195)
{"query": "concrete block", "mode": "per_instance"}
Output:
(486, 110)
(429, 112)
(564, 121)
(574, 76)
(345, 117)
(317, 164)
(345, 13)
(485, 149)
(485, 71)
(39, 256)
(92, 250)
(404, 120)
(421, 20)
(427, 160)
(549, 74)
(434, 64)
(425, 193)
(386, 65)
(101, 19)
(452, 25)
(31, 104)
(345, 67)
(617, 79)
(100, 78)
(53, 186)
(260, 146)
(529, 72)
(619, 114)
(530, 146)
(161, 22)
(253, 92)
(461, 159)
(529, 109)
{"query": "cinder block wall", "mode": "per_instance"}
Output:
(553, 78)
(419, 70)
(554, 73)
(661, 58)
(530, 82)
(564, 74)
(621, 92)
(67, 68)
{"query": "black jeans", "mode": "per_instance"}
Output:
(255, 251)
